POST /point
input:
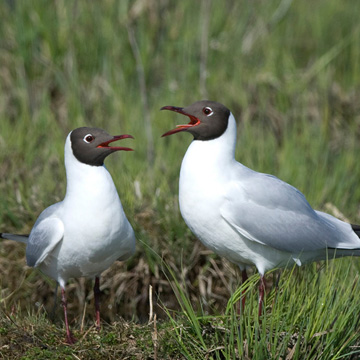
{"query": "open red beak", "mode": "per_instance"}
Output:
(116, 138)
(193, 120)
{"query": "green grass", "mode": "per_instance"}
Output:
(290, 73)
(310, 313)
(32, 336)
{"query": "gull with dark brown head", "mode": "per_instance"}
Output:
(248, 217)
(85, 233)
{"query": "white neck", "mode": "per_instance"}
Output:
(216, 153)
(89, 183)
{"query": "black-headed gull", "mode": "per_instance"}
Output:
(248, 217)
(85, 233)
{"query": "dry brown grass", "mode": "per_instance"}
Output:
(124, 286)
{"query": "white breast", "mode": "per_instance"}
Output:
(97, 231)
(207, 168)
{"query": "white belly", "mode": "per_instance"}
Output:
(91, 244)
(201, 195)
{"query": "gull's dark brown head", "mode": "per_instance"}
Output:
(208, 119)
(92, 145)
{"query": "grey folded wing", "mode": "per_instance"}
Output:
(271, 212)
(44, 237)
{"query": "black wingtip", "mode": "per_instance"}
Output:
(356, 229)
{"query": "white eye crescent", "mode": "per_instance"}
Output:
(207, 111)
(89, 138)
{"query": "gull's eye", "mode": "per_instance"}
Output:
(207, 111)
(89, 138)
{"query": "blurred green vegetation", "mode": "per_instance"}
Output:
(289, 70)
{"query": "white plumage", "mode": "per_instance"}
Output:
(85, 233)
(248, 217)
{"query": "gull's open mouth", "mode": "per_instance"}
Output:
(194, 121)
(105, 144)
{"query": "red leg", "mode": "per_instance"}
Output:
(244, 278)
(261, 293)
(69, 337)
(97, 293)
(241, 306)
